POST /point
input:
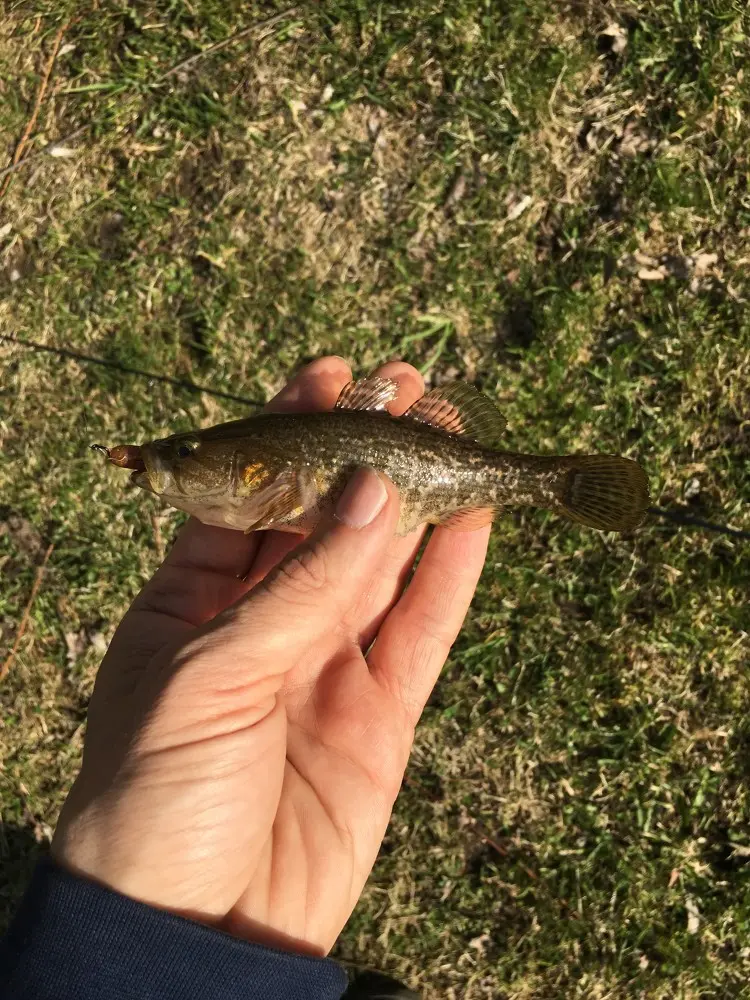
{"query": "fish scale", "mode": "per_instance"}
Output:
(435, 473)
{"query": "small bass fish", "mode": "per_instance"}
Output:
(282, 471)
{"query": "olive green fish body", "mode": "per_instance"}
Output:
(285, 470)
(436, 474)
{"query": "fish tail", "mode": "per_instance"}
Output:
(602, 491)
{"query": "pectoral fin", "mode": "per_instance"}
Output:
(285, 498)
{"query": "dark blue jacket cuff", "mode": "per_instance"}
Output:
(74, 940)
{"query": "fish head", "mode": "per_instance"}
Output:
(186, 465)
(228, 461)
(230, 475)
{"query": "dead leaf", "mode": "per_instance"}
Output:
(644, 260)
(457, 191)
(519, 208)
(691, 488)
(480, 943)
(648, 274)
(296, 107)
(634, 140)
(703, 261)
(98, 642)
(80, 642)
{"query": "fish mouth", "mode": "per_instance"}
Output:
(141, 478)
(156, 476)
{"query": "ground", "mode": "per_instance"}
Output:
(546, 197)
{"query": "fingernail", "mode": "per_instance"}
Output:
(362, 500)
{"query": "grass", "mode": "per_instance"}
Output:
(549, 199)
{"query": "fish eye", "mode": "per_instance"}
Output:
(186, 448)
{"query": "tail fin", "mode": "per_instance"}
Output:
(604, 492)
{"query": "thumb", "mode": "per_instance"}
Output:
(307, 595)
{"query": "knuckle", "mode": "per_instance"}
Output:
(303, 575)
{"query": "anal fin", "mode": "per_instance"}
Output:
(470, 518)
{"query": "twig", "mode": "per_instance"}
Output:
(27, 611)
(236, 37)
(6, 171)
(18, 154)
(172, 71)
(502, 851)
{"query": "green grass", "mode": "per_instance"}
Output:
(352, 183)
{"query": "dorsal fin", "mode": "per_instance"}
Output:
(370, 393)
(459, 408)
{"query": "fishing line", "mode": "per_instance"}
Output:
(687, 520)
(677, 517)
(63, 352)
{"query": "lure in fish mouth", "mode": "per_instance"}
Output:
(151, 465)
(444, 455)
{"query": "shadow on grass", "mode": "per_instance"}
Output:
(19, 853)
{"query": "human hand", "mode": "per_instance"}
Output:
(246, 740)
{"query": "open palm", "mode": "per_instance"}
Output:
(247, 740)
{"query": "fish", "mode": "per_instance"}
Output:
(283, 471)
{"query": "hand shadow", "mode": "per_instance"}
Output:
(371, 985)
(19, 853)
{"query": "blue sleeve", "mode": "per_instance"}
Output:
(74, 940)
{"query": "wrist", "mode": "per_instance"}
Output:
(72, 938)
(97, 849)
